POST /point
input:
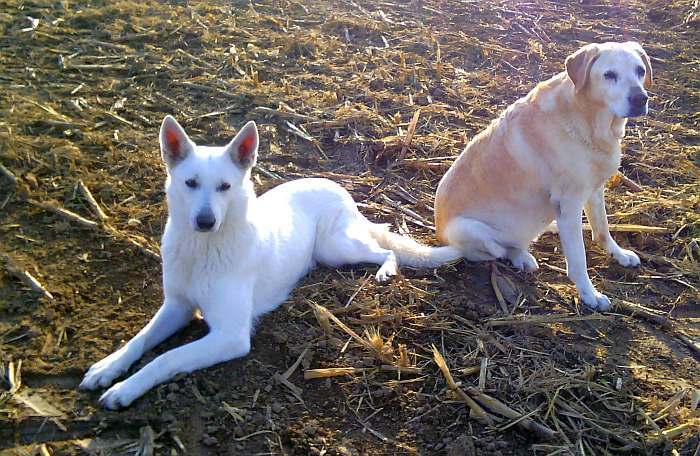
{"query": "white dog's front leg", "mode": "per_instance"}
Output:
(595, 211)
(229, 316)
(215, 347)
(571, 234)
(173, 315)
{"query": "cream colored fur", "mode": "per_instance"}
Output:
(547, 158)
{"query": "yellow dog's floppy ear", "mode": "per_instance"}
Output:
(648, 76)
(578, 65)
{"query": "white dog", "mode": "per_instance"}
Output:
(234, 256)
(547, 157)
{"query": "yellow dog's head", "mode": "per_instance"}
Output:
(616, 75)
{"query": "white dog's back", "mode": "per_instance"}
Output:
(293, 221)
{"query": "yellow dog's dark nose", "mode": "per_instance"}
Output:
(638, 99)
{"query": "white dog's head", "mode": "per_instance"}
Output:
(615, 75)
(206, 183)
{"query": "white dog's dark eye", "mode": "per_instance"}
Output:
(640, 71)
(610, 75)
(223, 187)
(191, 183)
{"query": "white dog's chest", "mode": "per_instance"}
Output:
(193, 280)
(194, 268)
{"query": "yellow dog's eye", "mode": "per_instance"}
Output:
(191, 183)
(223, 187)
(610, 75)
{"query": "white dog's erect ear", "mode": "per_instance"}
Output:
(243, 149)
(648, 76)
(175, 145)
(578, 65)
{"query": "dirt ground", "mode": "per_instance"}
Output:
(335, 87)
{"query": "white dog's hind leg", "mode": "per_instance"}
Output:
(595, 211)
(522, 259)
(552, 228)
(172, 316)
(354, 244)
(571, 236)
(388, 269)
(475, 239)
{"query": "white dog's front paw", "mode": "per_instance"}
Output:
(596, 301)
(103, 372)
(120, 395)
(626, 258)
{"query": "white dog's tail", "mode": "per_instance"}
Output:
(411, 253)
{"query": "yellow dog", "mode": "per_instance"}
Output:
(546, 158)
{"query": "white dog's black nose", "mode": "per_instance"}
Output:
(638, 99)
(205, 221)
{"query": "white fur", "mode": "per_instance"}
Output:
(622, 60)
(248, 262)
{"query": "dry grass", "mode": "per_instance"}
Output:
(378, 98)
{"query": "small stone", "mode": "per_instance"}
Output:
(258, 418)
(376, 84)
(295, 350)
(423, 100)
(280, 337)
(212, 429)
(347, 450)
(276, 407)
(461, 446)
(207, 388)
(310, 429)
(173, 387)
(209, 440)
(381, 392)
